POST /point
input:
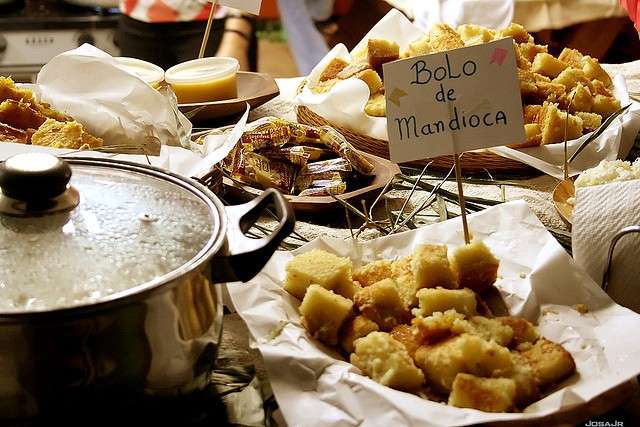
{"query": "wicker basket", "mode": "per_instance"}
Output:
(471, 162)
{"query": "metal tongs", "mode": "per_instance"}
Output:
(607, 272)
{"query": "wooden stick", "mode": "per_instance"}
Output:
(207, 30)
(463, 209)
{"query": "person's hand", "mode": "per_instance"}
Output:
(633, 8)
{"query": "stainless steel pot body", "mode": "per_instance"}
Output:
(141, 345)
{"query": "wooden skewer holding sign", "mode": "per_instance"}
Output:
(207, 30)
(463, 209)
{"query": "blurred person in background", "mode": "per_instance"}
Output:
(167, 32)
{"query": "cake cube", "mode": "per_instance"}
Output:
(484, 394)
(590, 121)
(594, 71)
(332, 69)
(600, 89)
(529, 50)
(352, 70)
(407, 286)
(475, 266)
(547, 65)
(373, 272)
(439, 299)
(439, 325)
(527, 389)
(355, 328)
(372, 80)
(554, 123)
(407, 335)
(517, 31)
(488, 329)
(581, 99)
(380, 51)
(572, 57)
(533, 133)
(570, 77)
(376, 106)
(472, 34)
(430, 267)
(605, 105)
(523, 330)
(549, 361)
(320, 267)
(323, 313)
(522, 63)
(463, 353)
(387, 362)
(381, 303)
(419, 47)
(532, 114)
(442, 37)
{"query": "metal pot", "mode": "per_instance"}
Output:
(155, 337)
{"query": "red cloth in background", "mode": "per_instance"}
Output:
(633, 8)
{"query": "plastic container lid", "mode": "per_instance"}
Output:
(131, 227)
(202, 70)
(148, 72)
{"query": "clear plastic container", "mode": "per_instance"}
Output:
(146, 71)
(204, 80)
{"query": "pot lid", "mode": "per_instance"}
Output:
(85, 230)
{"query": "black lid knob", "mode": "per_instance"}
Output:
(34, 177)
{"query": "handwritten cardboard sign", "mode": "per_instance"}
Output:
(453, 101)
(251, 6)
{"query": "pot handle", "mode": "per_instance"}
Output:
(245, 256)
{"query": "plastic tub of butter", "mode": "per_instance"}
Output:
(146, 71)
(204, 80)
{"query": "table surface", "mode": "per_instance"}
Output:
(235, 347)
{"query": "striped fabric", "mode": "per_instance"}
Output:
(156, 11)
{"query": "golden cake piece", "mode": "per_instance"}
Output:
(320, 267)
(381, 303)
(373, 272)
(600, 89)
(438, 326)
(547, 65)
(517, 31)
(407, 289)
(323, 313)
(354, 328)
(55, 134)
(531, 114)
(9, 90)
(464, 353)
(605, 105)
(580, 99)
(570, 77)
(594, 71)
(381, 51)
(554, 123)
(533, 136)
(352, 69)
(571, 56)
(439, 299)
(484, 394)
(549, 361)
(376, 106)
(487, 329)
(419, 47)
(529, 50)
(523, 330)
(475, 266)
(527, 389)
(590, 121)
(472, 34)
(331, 71)
(521, 61)
(430, 267)
(372, 80)
(11, 134)
(20, 115)
(550, 91)
(407, 335)
(387, 362)
(442, 37)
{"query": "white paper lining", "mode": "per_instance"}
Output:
(343, 106)
(538, 280)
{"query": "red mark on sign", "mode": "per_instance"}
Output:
(498, 56)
